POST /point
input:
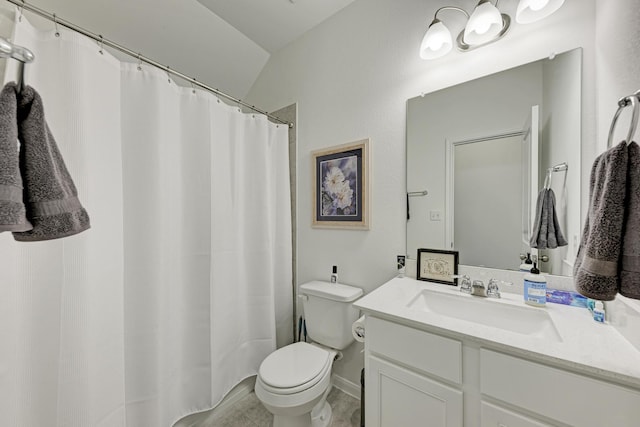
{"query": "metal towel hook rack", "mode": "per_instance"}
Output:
(634, 102)
(560, 167)
(19, 53)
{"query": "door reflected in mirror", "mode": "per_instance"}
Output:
(481, 150)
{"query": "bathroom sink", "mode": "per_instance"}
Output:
(530, 321)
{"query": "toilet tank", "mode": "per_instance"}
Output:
(329, 312)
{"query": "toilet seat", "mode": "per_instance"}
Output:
(294, 368)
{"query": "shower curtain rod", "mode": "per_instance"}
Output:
(105, 42)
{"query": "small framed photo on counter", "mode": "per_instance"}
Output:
(435, 265)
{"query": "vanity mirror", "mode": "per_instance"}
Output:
(481, 151)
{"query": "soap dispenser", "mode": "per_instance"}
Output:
(527, 264)
(334, 274)
(535, 288)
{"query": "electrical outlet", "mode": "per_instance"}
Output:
(435, 215)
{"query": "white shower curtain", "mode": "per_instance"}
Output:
(171, 298)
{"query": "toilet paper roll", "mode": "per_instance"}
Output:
(357, 329)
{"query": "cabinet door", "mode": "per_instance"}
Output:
(495, 416)
(396, 397)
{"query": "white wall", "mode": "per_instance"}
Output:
(618, 75)
(351, 77)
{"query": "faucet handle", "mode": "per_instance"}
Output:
(465, 283)
(493, 291)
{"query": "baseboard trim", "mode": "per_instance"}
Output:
(342, 384)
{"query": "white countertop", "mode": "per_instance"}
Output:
(587, 346)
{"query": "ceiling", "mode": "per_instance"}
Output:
(273, 24)
(222, 43)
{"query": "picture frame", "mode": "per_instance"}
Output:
(435, 265)
(341, 186)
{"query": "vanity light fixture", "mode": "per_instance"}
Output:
(485, 25)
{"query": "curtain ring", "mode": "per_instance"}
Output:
(139, 62)
(193, 88)
(55, 24)
(168, 74)
(101, 52)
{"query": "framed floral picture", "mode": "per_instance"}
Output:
(340, 186)
(438, 266)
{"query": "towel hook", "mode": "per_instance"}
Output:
(633, 101)
(19, 53)
(21, 8)
(55, 25)
(560, 167)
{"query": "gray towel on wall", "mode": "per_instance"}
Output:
(12, 211)
(630, 268)
(50, 195)
(546, 233)
(596, 269)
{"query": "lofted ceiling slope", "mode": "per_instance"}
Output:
(222, 43)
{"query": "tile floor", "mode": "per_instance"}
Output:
(249, 412)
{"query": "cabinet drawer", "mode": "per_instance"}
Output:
(419, 349)
(495, 416)
(569, 398)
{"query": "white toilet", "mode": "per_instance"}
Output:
(294, 381)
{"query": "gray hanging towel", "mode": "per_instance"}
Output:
(596, 269)
(630, 271)
(12, 210)
(50, 195)
(540, 225)
(546, 233)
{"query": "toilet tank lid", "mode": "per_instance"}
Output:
(332, 291)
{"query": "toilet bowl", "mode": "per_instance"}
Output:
(293, 382)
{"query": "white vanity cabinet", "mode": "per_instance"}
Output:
(564, 397)
(413, 377)
(402, 397)
(416, 376)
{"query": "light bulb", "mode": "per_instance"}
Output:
(484, 24)
(437, 41)
(529, 11)
(536, 5)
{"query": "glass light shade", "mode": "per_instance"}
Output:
(484, 25)
(437, 41)
(534, 10)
